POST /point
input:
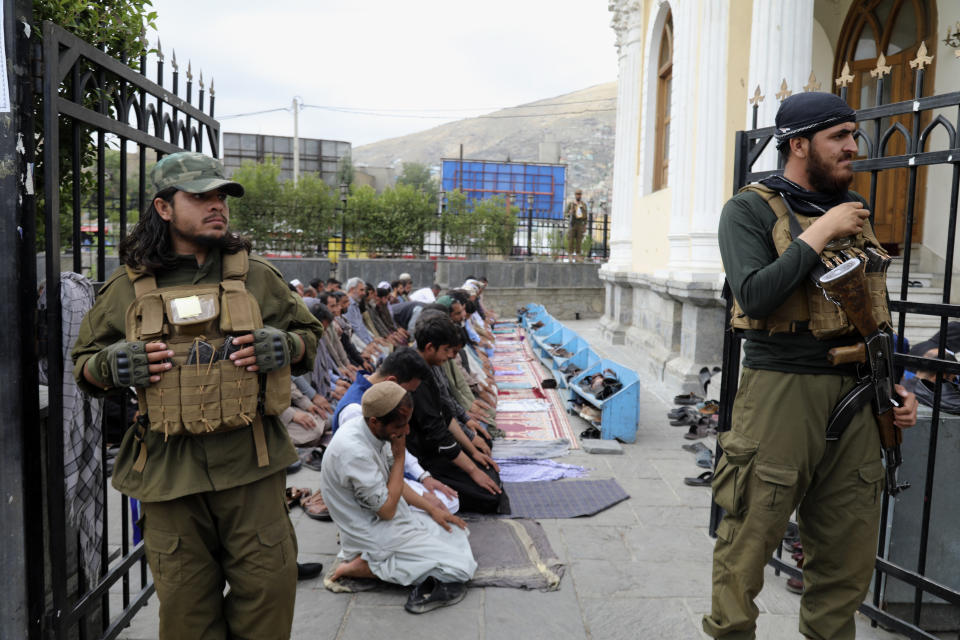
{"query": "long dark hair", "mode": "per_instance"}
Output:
(148, 244)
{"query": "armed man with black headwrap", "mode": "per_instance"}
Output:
(774, 237)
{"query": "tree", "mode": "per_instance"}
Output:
(345, 170)
(480, 226)
(117, 26)
(286, 217)
(410, 214)
(393, 223)
(498, 223)
(418, 176)
(362, 216)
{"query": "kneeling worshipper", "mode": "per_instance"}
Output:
(406, 368)
(380, 535)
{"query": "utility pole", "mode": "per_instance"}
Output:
(296, 138)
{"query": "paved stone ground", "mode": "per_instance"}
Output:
(638, 570)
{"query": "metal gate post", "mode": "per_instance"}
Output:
(21, 540)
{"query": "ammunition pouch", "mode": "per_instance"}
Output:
(807, 308)
(204, 393)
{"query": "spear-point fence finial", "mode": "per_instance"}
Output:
(882, 68)
(784, 92)
(922, 58)
(845, 77)
(812, 84)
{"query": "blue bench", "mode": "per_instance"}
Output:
(542, 335)
(619, 412)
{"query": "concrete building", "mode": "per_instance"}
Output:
(316, 156)
(379, 178)
(687, 70)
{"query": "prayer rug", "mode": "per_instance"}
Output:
(562, 498)
(523, 375)
(504, 449)
(509, 553)
(536, 470)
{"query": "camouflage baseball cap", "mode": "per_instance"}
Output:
(194, 173)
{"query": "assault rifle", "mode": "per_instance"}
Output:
(846, 285)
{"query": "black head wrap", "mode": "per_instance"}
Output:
(803, 114)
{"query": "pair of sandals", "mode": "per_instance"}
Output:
(602, 385)
(311, 458)
(432, 594)
(310, 501)
(570, 370)
(704, 456)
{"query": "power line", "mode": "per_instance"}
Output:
(543, 115)
(252, 113)
(358, 112)
(393, 112)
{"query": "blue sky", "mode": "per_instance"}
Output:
(412, 65)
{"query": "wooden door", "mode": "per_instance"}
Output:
(894, 28)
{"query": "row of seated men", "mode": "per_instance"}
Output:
(367, 331)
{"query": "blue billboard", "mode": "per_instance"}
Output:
(480, 179)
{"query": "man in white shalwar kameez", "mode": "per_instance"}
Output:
(380, 535)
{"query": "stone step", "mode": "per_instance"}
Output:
(920, 294)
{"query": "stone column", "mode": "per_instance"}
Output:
(627, 22)
(683, 110)
(707, 148)
(781, 48)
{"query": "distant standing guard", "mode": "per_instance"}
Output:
(208, 334)
(576, 214)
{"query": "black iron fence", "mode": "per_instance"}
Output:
(404, 224)
(82, 577)
(910, 136)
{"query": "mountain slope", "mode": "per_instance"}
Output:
(582, 122)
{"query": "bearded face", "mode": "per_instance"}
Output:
(829, 160)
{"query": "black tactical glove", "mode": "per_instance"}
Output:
(124, 364)
(272, 348)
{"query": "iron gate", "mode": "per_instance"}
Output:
(92, 103)
(929, 117)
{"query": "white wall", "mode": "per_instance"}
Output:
(939, 178)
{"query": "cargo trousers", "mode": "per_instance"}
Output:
(575, 237)
(775, 460)
(241, 537)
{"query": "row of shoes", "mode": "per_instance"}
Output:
(701, 420)
(580, 407)
(701, 417)
(602, 385)
(310, 501)
(570, 370)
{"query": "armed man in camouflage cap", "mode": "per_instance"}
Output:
(208, 334)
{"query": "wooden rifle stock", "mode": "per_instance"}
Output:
(847, 286)
(845, 355)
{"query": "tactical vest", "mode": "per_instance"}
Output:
(807, 308)
(205, 396)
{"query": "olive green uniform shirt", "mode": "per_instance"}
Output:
(571, 213)
(188, 464)
(762, 280)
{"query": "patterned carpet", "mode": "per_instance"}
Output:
(515, 364)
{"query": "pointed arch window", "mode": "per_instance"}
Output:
(895, 29)
(661, 160)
